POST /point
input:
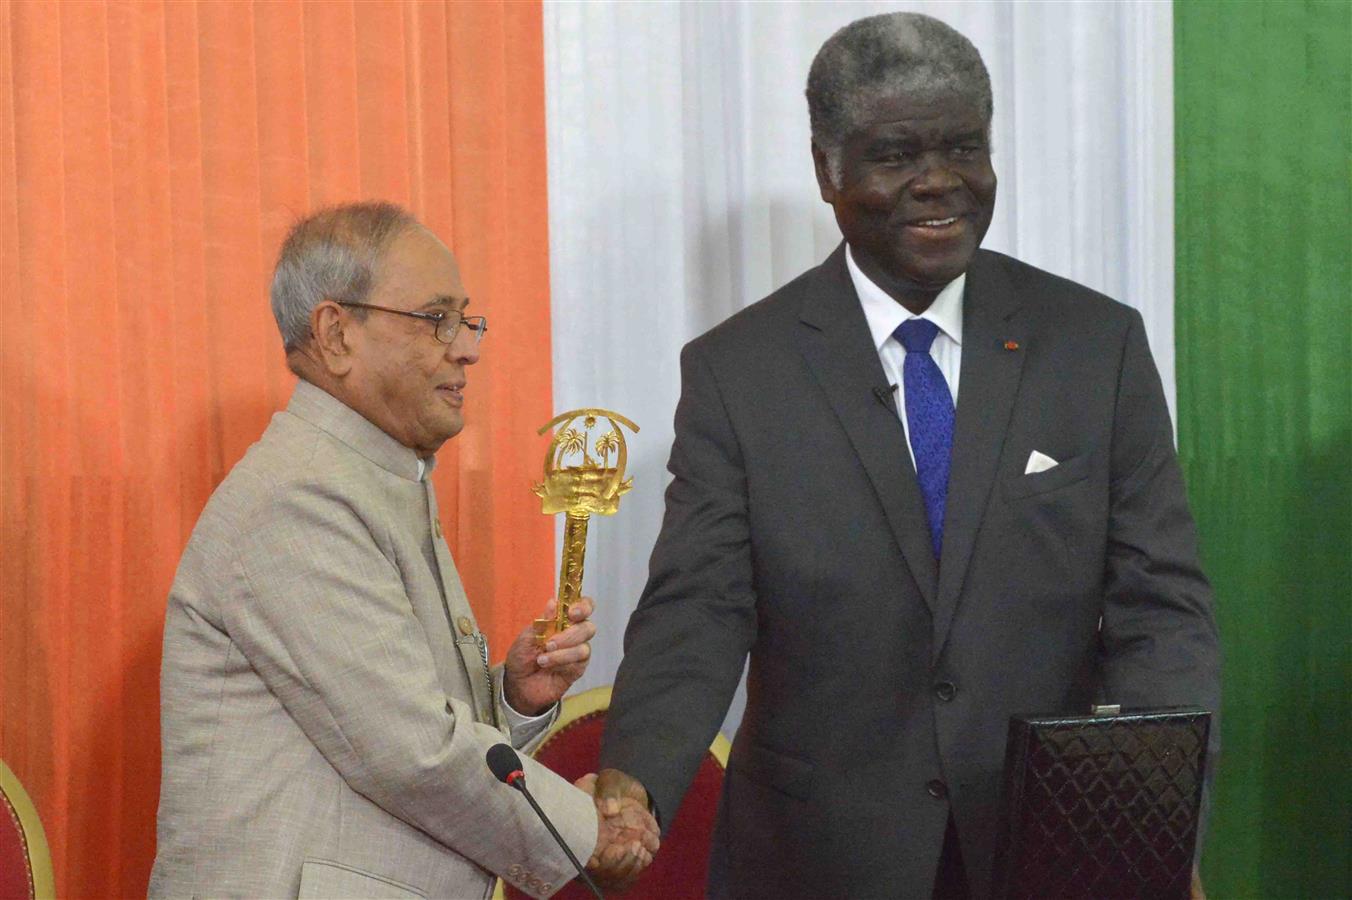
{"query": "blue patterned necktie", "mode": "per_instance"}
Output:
(929, 419)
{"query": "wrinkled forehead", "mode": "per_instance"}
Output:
(922, 103)
(418, 263)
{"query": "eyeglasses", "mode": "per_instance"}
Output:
(447, 323)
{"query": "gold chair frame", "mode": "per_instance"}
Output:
(17, 803)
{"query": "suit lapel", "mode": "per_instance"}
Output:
(991, 369)
(460, 622)
(835, 341)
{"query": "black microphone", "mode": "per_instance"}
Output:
(884, 395)
(506, 767)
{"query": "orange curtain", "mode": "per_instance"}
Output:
(152, 155)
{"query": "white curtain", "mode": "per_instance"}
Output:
(681, 190)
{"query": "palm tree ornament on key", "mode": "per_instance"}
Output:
(580, 490)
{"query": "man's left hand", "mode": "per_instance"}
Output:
(535, 677)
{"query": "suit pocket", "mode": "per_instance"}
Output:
(785, 774)
(1059, 476)
(322, 878)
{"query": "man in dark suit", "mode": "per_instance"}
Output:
(925, 487)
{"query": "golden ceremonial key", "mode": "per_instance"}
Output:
(581, 490)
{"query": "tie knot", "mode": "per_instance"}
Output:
(916, 335)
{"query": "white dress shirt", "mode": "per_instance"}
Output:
(884, 315)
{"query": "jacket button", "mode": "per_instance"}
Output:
(466, 626)
(436, 526)
(945, 690)
(937, 789)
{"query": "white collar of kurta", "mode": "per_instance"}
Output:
(334, 417)
(884, 314)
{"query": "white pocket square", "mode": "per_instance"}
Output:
(1039, 462)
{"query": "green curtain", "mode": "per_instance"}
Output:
(1263, 123)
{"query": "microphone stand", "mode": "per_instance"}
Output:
(518, 782)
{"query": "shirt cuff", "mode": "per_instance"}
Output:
(524, 729)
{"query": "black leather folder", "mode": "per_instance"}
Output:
(1101, 806)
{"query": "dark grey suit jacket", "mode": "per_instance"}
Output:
(881, 683)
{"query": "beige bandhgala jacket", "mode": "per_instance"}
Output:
(325, 704)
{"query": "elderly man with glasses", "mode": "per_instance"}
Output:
(326, 695)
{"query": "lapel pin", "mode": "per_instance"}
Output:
(1011, 345)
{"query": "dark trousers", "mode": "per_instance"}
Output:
(951, 881)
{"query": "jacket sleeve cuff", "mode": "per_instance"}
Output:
(574, 815)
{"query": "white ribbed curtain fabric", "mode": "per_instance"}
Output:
(681, 190)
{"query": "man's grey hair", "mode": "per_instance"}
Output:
(333, 254)
(877, 57)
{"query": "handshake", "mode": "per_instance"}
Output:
(627, 835)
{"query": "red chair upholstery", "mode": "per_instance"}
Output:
(682, 865)
(25, 863)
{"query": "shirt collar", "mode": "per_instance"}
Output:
(329, 414)
(884, 314)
